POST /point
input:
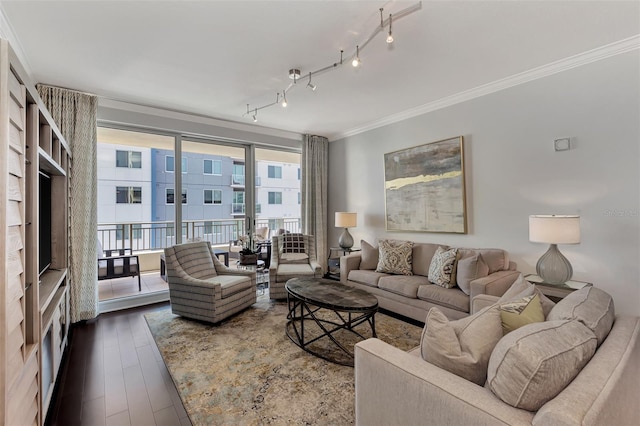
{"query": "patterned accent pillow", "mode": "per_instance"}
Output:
(442, 270)
(293, 243)
(520, 313)
(395, 257)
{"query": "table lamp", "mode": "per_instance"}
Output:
(552, 266)
(346, 220)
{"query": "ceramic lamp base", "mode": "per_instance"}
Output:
(346, 240)
(553, 267)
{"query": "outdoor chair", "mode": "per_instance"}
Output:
(117, 264)
(201, 287)
(292, 256)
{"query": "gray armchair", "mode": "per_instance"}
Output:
(203, 288)
(292, 256)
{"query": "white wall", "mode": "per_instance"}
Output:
(512, 171)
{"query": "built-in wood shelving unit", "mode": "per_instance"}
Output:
(34, 305)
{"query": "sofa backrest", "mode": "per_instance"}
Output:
(496, 259)
(421, 257)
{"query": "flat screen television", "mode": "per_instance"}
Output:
(44, 222)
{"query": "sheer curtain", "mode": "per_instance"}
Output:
(315, 154)
(75, 114)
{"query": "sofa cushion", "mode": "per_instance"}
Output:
(462, 347)
(449, 297)
(589, 305)
(301, 258)
(368, 256)
(443, 267)
(521, 312)
(468, 269)
(532, 364)
(365, 277)
(287, 271)
(496, 259)
(405, 285)
(422, 255)
(231, 284)
(395, 257)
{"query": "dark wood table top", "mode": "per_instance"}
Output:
(331, 294)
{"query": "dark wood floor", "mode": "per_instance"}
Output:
(113, 374)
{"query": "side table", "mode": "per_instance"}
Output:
(556, 291)
(333, 261)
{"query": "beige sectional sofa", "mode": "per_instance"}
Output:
(397, 387)
(413, 295)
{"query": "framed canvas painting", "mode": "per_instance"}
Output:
(424, 188)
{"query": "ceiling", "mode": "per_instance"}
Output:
(212, 58)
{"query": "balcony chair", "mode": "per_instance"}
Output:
(117, 264)
(201, 287)
(292, 256)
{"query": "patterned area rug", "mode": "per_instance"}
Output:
(245, 370)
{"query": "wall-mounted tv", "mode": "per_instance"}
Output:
(44, 222)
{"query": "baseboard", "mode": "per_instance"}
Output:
(133, 301)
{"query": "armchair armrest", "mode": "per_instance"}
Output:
(481, 301)
(395, 387)
(317, 269)
(494, 284)
(349, 263)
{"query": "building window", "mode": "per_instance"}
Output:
(212, 167)
(237, 175)
(129, 159)
(237, 206)
(299, 198)
(298, 173)
(213, 196)
(275, 172)
(136, 230)
(169, 164)
(170, 195)
(258, 208)
(128, 194)
(275, 197)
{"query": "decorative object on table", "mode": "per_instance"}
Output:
(346, 220)
(552, 266)
(247, 255)
(425, 188)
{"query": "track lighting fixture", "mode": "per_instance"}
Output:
(294, 73)
(390, 37)
(310, 85)
(356, 60)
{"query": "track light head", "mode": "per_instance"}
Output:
(390, 36)
(255, 119)
(356, 60)
(284, 99)
(310, 85)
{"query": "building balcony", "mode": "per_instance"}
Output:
(237, 181)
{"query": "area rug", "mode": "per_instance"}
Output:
(245, 370)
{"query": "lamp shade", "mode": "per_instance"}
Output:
(554, 229)
(346, 220)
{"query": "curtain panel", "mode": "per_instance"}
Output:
(315, 166)
(75, 114)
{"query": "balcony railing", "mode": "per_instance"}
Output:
(237, 180)
(147, 236)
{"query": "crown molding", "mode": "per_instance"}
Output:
(7, 32)
(594, 55)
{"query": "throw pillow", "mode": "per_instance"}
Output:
(469, 269)
(589, 305)
(395, 257)
(520, 313)
(443, 266)
(522, 288)
(462, 347)
(368, 256)
(293, 243)
(533, 364)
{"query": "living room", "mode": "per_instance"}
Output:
(529, 76)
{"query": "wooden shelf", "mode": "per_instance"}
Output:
(50, 280)
(51, 308)
(49, 165)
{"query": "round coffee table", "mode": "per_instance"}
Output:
(309, 299)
